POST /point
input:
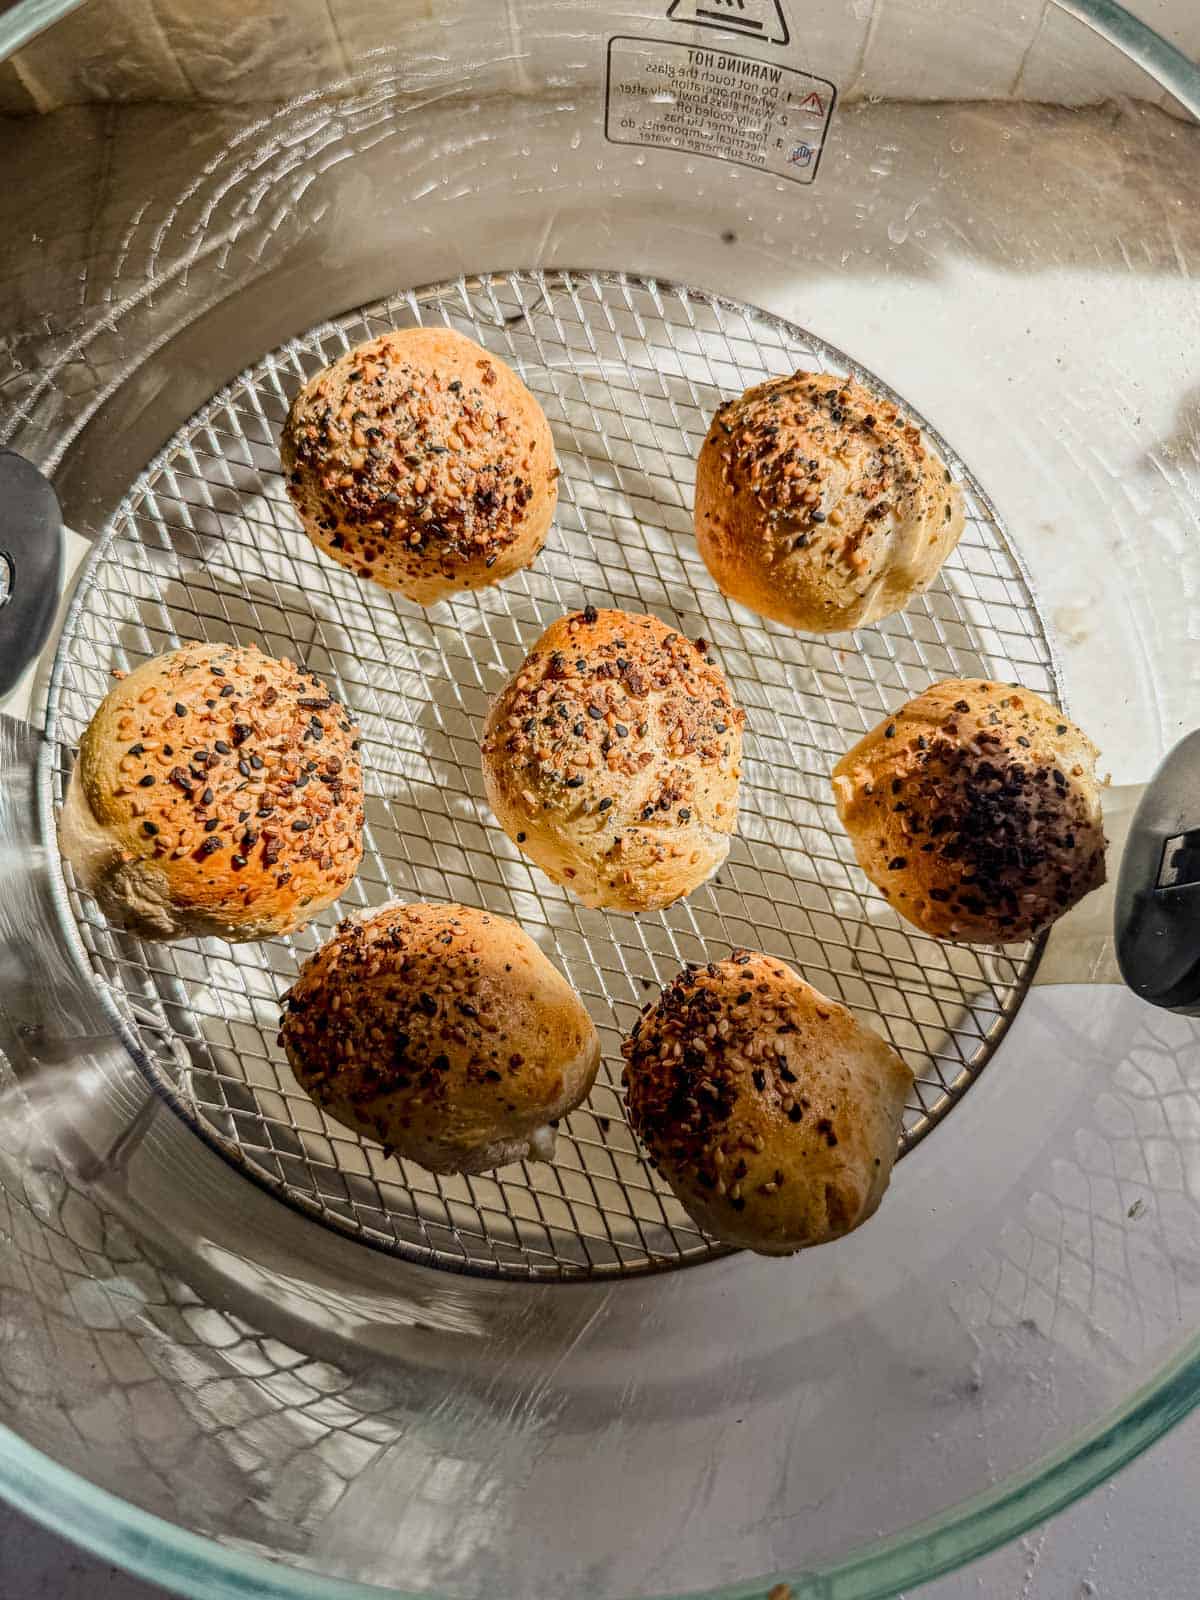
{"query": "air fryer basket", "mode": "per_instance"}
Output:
(280, 1340)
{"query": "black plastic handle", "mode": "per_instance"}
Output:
(30, 564)
(1157, 922)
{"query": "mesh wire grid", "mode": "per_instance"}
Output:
(206, 545)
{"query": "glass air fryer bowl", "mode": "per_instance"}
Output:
(242, 1354)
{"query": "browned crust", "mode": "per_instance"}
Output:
(442, 1031)
(772, 1113)
(227, 778)
(818, 504)
(421, 461)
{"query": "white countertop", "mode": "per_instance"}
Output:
(1137, 1538)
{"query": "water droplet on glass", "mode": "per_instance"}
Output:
(576, 140)
(957, 146)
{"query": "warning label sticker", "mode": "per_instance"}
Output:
(714, 102)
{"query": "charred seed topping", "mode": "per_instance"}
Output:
(975, 787)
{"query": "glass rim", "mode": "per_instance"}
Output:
(115, 1530)
(150, 1547)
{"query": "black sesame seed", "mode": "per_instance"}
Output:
(150, 829)
(180, 709)
(576, 782)
(890, 731)
(222, 748)
(147, 782)
(605, 803)
(301, 825)
(207, 797)
(211, 824)
(137, 749)
(521, 838)
(595, 713)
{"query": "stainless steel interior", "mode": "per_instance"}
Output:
(205, 544)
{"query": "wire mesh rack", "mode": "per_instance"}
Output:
(205, 545)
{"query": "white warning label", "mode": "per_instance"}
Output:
(717, 103)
